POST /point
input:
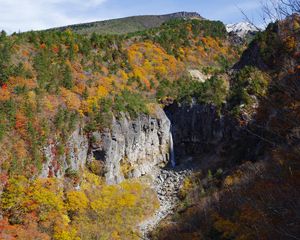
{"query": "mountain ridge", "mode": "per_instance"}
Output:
(127, 24)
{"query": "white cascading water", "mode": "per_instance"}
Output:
(172, 155)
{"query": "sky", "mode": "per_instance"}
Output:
(25, 15)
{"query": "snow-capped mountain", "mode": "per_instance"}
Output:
(241, 29)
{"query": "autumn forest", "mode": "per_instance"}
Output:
(63, 92)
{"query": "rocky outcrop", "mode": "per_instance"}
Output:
(203, 134)
(130, 148)
(196, 128)
(251, 57)
(132, 145)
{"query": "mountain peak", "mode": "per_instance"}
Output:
(184, 14)
(241, 29)
(129, 24)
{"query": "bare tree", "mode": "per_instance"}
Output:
(279, 9)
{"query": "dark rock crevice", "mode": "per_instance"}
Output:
(197, 129)
(210, 138)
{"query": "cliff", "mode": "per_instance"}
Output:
(131, 147)
(197, 128)
(137, 145)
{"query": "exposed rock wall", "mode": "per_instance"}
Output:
(136, 145)
(197, 128)
(139, 143)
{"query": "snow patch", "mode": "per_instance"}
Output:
(241, 29)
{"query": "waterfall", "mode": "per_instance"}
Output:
(172, 155)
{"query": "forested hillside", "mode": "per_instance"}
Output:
(53, 81)
(254, 194)
(75, 108)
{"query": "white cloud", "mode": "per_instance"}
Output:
(26, 15)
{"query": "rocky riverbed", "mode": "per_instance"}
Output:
(166, 183)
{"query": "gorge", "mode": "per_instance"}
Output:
(173, 130)
(143, 146)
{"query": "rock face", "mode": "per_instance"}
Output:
(136, 145)
(198, 75)
(133, 146)
(196, 128)
(251, 57)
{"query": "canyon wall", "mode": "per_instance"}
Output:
(197, 128)
(134, 145)
(139, 144)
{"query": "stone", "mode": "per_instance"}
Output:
(141, 143)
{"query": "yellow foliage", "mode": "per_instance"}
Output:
(229, 181)
(32, 98)
(109, 211)
(102, 92)
(15, 193)
(77, 201)
(76, 48)
(66, 235)
(117, 207)
(123, 75)
(50, 103)
(90, 181)
(233, 179)
(93, 100)
(149, 60)
(47, 194)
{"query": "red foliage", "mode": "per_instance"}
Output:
(7, 231)
(43, 46)
(4, 87)
(3, 179)
(55, 49)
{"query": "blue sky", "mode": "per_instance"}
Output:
(23, 15)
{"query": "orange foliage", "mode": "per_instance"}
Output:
(4, 94)
(76, 48)
(7, 231)
(21, 121)
(22, 82)
(20, 149)
(25, 53)
(28, 231)
(71, 99)
(43, 46)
